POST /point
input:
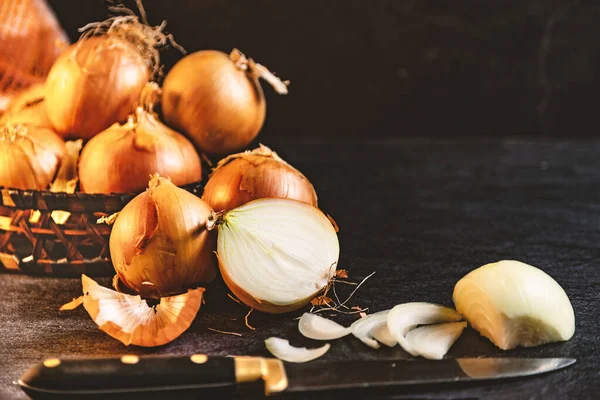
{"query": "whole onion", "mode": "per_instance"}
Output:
(217, 100)
(254, 174)
(121, 158)
(29, 156)
(28, 108)
(94, 84)
(159, 243)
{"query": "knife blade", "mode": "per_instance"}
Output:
(223, 376)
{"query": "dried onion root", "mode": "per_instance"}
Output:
(132, 321)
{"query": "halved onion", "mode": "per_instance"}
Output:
(131, 320)
(363, 327)
(405, 317)
(316, 327)
(276, 255)
(434, 341)
(515, 304)
(282, 349)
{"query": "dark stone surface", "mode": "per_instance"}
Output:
(421, 214)
(468, 67)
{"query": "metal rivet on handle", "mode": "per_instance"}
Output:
(51, 362)
(130, 359)
(199, 358)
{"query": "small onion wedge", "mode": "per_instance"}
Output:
(131, 320)
(434, 341)
(514, 304)
(383, 335)
(316, 327)
(364, 327)
(282, 349)
(276, 255)
(405, 317)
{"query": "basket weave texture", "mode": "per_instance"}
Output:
(33, 243)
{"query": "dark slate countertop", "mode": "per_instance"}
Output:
(421, 214)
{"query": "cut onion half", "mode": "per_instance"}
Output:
(282, 349)
(515, 304)
(434, 341)
(131, 320)
(383, 335)
(316, 327)
(363, 327)
(404, 317)
(276, 255)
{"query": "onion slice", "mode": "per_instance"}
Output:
(131, 320)
(515, 304)
(383, 335)
(405, 317)
(316, 327)
(434, 341)
(363, 327)
(282, 349)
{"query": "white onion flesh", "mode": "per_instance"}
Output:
(515, 304)
(277, 254)
(434, 341)
(382, 334)
(282, 349)
(405, 317)
(316, 327)
(363, 327)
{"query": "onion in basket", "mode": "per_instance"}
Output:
(217, 100)
(240, 178)
(121, 158)
(29, 156)
(28, 108)
(276, 254)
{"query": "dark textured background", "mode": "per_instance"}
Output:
(374, 68)
(420, 214)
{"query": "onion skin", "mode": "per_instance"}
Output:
(29, 159)
(28, 108)
(260, 173)
(121, 158)
(93, 84)
(218, 105)
(159, 243)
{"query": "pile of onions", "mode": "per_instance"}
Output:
(31, 40)
(29, 156)
(121, 158)
(255, 174)
(159, 243)
(98, 80)
(276, 255)
(216, 99)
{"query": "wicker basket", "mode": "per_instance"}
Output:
(38, 245)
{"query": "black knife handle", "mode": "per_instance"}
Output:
(159, 376)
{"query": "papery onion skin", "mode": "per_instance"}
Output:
(255, 174)
(121, 158)
(159, 243)
(28, 108)
(262, 225)
(218, 105)
(29, 156)
(93, 84)
(515, 304)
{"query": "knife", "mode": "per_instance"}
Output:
(225, 376)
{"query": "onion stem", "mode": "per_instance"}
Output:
(258, 71)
